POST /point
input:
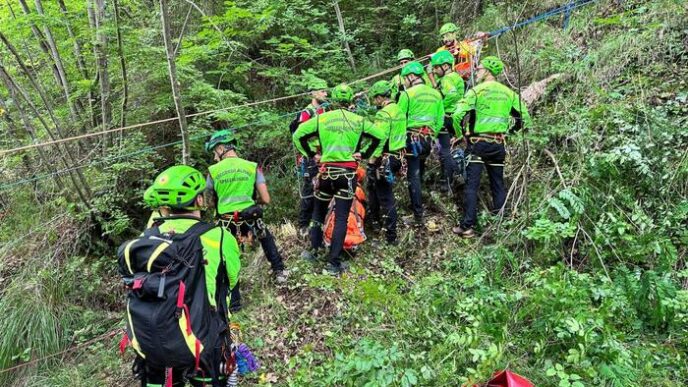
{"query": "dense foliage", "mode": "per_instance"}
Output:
(584, 283)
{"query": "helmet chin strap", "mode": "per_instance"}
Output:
(227, 149)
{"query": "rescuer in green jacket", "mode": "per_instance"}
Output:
(488, 111)
(451, 87)
(177, 193)
(340, 133)
(387, 160)
(424, 111)
(397, 83)
(234, 187)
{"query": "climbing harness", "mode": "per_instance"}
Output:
(251, 218)
(303, 174)
(418, 140)
(496, 138)
(329, 172)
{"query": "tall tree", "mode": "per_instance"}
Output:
(57, 59)
(172, 67)
(342, 32)
(40, 39)
(123, 66)
(80, 62)
(96, 10)
(80, 184)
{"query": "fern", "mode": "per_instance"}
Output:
(560, 207)
(575, 203)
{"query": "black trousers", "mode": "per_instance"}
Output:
(415, 157)
(491, 156)
(310, 170)
(446, 161)
(341, 187)
(381, 195)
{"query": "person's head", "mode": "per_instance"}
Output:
(448, 33)
(442, 63)
(404, 56)
(380, 92)
(318, 89)
(489, 68)
(342, 95)
(222, 143)
(412, 74)
(179, 188)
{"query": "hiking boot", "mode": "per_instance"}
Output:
(464, 232)
(281, 276)
(333, 270)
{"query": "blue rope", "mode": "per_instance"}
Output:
(107, 160)
(567, 9)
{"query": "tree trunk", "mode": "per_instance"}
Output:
(57, 59)
(123, 65)
(15, 131)
(41, 40)
(342, 31)
(75, 176)
(169, 49)
(80, 63)
(32, 80)
(100, 50)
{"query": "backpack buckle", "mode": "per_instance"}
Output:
(138, 283)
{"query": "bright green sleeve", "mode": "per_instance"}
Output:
(466, 104)
(376, 132)
(404, 105)
(452, 90)
(382, 123)
(231, 254)
(304, 130)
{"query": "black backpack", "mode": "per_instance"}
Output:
(170, 323)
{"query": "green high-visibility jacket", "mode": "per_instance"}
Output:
(398, 85)
(392, 122)
(234, 181)
(451, 86)
(490, 107)
(340, 133)
(422, 105)
(210, 241)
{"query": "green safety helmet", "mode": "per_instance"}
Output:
(316, 84)
(150, 198)
(412, 68)
(442, 57)
(405, 54)
(380, 88)
(493, 65)
(178, 186)
(342, 93)
(225, 136)
(447, 28)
